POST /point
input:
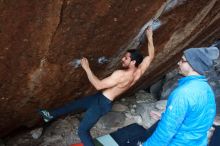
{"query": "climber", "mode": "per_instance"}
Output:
(97, 105)
(191, 108)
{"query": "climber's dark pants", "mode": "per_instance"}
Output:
(215, 137)
(96, 106)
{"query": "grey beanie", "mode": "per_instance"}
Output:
(201, 59)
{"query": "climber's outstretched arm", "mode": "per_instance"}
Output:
(148, 59)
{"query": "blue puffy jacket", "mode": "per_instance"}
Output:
(189, 114)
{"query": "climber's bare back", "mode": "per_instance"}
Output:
(125, 79)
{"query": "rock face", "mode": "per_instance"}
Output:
(42, 41)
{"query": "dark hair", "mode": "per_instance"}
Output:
(136, 55)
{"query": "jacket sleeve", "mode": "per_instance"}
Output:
(171, 120)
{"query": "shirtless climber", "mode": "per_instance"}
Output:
(97, 105)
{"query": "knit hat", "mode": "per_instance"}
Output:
(201, 59)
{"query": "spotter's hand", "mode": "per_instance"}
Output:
(149, 32)
(84, 63)
(155, 115)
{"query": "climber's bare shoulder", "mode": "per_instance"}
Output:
(125, 79)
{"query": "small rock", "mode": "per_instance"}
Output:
(134, 106)
(55, 140)
(142, 96)
(112, 119)
(217, 120)
(138, 119)
(123, 99)
(133, 111)
(60, 131)
(161, 104)
(212, 84)
(128, 115)
(119, 107)
(36, 133)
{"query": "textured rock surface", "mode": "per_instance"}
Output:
(41, 42)
(64, 131)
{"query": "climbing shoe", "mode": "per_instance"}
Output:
(45, 115)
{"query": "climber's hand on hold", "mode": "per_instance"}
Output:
(84, 63)
(149, 32)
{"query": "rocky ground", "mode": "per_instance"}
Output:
(63, 132)
(133, 109)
